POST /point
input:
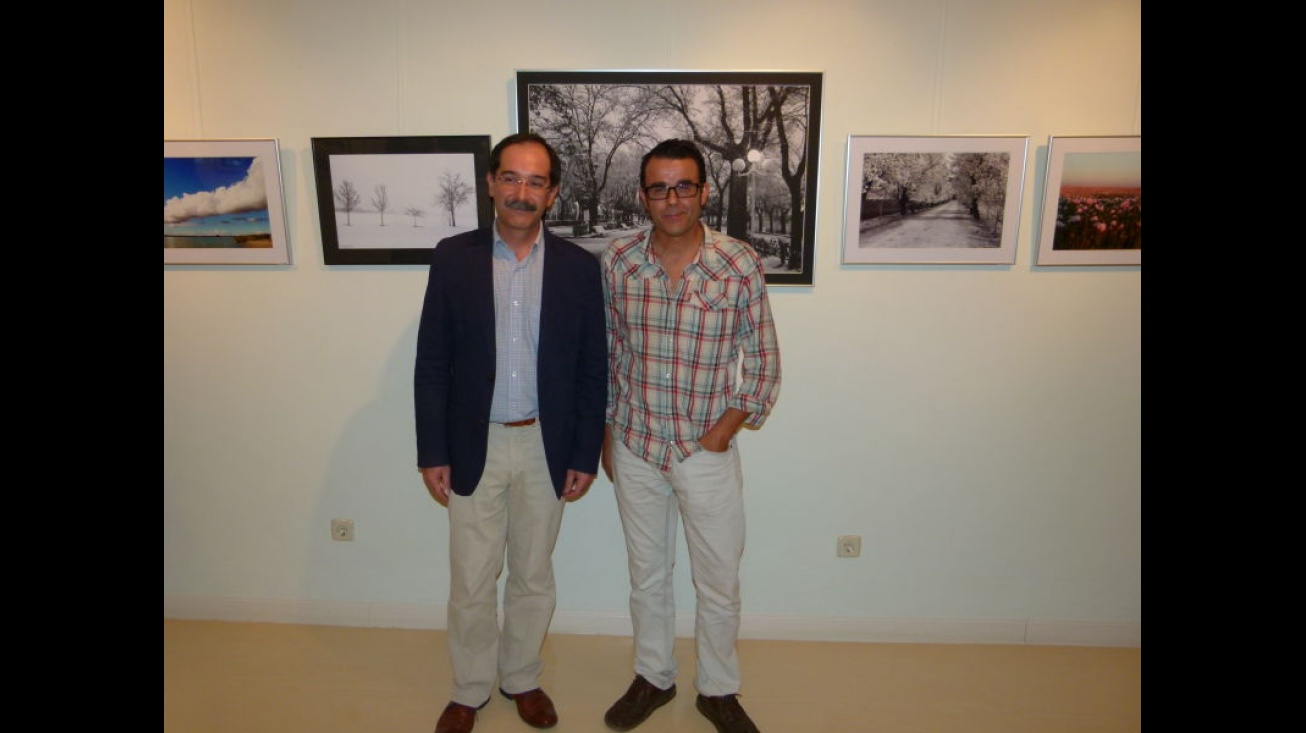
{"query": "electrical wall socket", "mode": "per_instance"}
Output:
(342, 530)
(849, 545)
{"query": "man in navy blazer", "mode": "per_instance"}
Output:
(510, 391)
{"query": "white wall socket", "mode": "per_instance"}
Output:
(849, 545)
(342, 530)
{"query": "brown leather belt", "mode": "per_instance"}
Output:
(519, 423)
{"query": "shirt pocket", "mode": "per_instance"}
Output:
(709, 317)
(708, 300)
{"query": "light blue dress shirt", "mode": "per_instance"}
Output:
(517, 287)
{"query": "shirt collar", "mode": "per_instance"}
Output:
(709, 257)
(501, 247)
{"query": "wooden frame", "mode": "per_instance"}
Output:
(374, 195)
(759, 132)
(938, 199)
(1093, 201)
(222, 203)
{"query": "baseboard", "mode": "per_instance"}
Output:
(1052, 632)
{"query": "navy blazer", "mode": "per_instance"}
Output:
(453, 382)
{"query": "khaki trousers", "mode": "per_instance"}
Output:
(513, 510)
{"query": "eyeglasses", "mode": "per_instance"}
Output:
(512, 180)
(684, 190)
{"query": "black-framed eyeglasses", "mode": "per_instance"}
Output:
(684, 190)
(512, 180)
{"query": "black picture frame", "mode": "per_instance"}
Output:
(363, 181)
(760, 132)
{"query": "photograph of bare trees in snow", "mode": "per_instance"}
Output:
(390, 200)
(759, 133)
(933, 199)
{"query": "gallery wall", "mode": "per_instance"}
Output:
(978, 426)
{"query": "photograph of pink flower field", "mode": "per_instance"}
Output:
(1096, 217)
(1093, 202)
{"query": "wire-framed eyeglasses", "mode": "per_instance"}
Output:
(512, 180)
(684, 190)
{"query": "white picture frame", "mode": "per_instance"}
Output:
(1092, 201)
(933, 199)
(222, 203)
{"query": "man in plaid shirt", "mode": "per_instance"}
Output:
(693, 357)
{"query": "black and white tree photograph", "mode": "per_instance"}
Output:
(389, 200)
(933, 199)
(759, 133)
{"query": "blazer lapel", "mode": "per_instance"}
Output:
(482, 286)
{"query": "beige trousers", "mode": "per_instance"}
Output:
(513, 510)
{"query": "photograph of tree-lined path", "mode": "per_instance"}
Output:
(934, 199)
(759, 134)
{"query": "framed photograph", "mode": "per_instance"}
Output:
(760, 133)
(222, 203)
(939, 199)
(390, 200)
(1093, 201)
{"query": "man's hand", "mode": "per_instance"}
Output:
(717, 438)
(605, 457)
(437, 483)
(576, 484)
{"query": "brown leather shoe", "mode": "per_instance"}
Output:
(534, 707)
(457, 718)
(725, 713)
(639, 702)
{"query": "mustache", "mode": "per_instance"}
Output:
(521, 205)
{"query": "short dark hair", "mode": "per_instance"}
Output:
(675, 149)
(555, 163)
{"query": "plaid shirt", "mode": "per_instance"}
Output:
(674, 357)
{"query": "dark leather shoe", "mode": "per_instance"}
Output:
(639, 702)
(725, 713)
(457, 718)
(534, 707)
